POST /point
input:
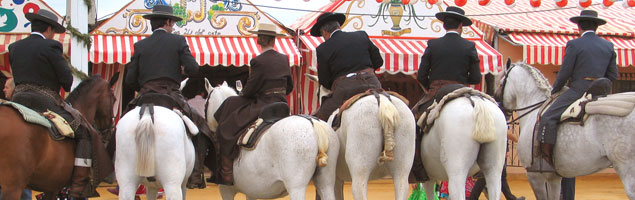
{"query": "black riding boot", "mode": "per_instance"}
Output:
(80, 183)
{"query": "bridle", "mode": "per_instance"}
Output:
(509, 112)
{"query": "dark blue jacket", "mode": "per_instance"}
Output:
(450, 57)
(160, 56)
(586, 57)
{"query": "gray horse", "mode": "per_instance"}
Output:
(602, 142)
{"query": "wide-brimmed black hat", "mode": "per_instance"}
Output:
(455, 12)
(326, 17)
(162, 11)
(48, 17)
(589, 15)
(267, 29)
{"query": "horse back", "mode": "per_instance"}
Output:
(29, 156)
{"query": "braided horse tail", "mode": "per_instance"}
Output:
(321, 130)
(388, 117)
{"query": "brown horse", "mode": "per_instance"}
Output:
(30, 157)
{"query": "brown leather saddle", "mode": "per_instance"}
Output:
(268, 116)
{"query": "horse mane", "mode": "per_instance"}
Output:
(225, 90)
(83, 88)
(541, 81)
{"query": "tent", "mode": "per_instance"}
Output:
(539, 36)
(400, 29)
(217, 34)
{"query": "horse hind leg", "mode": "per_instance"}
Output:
(173, 192)
(400, 170)
(227, 192)
(151, 192)
(339, 189)
(127, 188)
(491, 160)
(546, 186)
(428, 186)
(627, 174)
(297, 193)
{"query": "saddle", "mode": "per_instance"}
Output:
(58, 127)
(269, 115)
(350, 101)
(443, 96)
(598, 101)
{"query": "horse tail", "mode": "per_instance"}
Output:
(145, 146)
(484, 130)
(322, 132)
(388, 118)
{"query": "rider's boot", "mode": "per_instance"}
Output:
(418, 172)
(227, 168)
(80, 181)
(196, 179)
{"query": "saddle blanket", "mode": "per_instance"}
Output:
(47, 119)
(432, 113)
(620, 105)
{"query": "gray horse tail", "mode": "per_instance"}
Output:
(145, 145)
(484, 130)
(388, 117)
(321, 130)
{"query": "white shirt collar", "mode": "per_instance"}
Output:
(38, 33)
(452, 32)
(159, 29)
(334, 33)
(585, 32)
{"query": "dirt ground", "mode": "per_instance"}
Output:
(593, 187)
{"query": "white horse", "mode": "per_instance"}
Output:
(367, 128)
(602, 142)
(284, 161)
(466, 136)
(153, 147)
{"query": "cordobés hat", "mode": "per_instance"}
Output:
(266, 29)
(162, 11)
(48, 17)
(455, 12)
(326, 17)
(589, 15)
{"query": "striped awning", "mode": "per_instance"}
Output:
(207, 50)
(9, 38)
(549, 48)
(403, 55)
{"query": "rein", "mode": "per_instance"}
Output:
(531, 108)
(510, 111)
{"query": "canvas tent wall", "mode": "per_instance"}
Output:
(217, 34)
(399, 30)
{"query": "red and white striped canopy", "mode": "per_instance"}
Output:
(207, 50)
(7, 39)
(403, 55)
(549, 48)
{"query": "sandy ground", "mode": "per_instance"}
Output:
(593, 187)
